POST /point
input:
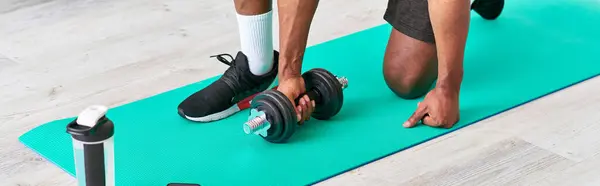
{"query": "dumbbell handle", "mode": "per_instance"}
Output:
(313, 95)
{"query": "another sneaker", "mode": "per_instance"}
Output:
(230, 93)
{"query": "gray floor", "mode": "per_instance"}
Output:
(59, 56)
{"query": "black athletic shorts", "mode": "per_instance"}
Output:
(410, 17)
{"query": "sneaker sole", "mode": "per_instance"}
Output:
(239, 106)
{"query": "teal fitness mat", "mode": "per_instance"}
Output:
(533, 49)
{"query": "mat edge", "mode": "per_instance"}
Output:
(46, 158)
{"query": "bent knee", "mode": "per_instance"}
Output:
(407, 86)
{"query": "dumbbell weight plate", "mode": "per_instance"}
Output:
(280, 113)
(288, 114)
(329, 88)
(266, 104)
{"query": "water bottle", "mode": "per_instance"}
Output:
(93, 147)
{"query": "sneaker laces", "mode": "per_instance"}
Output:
(230, 63)
(234, 76)
(233, 73)
(223, 60)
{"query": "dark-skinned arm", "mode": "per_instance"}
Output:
(450, 22)
(295, 18)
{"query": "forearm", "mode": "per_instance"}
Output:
(450, 22)
(295, 18)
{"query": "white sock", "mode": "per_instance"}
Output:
(256, 39)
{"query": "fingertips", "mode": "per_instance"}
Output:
(411, 122)
(310, 106)
(306, 99)
(307, 110)
(298, 113)
(416, 116)
(408, 124)
(304, 108)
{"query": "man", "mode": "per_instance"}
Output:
(426, 44)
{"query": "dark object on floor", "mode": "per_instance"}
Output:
(183, 184)
(488, 9)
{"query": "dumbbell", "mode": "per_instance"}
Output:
(273, 116)
(488, 9)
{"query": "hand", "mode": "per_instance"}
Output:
(438, 109)
(292, 88)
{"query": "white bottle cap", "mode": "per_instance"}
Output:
(91, 115)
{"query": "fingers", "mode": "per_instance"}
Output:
(310, 105)
(305, 108)
(299, 113)
(416, 116)
(428, 120)
(432, 122)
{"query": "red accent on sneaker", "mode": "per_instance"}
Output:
(245, 103)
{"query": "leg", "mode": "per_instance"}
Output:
(255, 23)
(410, 62)
(252, 7)
(409, 65)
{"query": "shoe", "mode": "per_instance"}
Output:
(230, 93)
(488, 9)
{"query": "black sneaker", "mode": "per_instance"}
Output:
(230, 93)
(488, 9)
